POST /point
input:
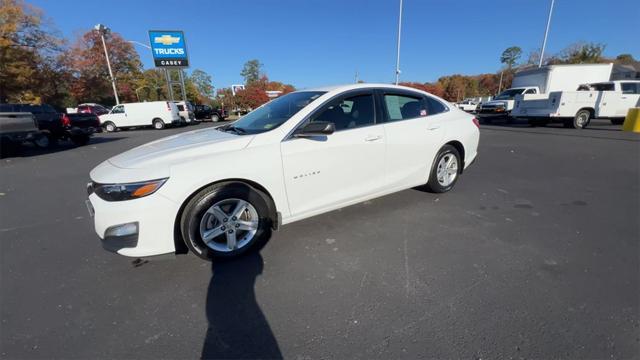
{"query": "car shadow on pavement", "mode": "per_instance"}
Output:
(237, 327)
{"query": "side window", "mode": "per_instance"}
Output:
(530, 91)
(349, 113)
(630, 88)
(434, 106)
(118, 110)
(180, 107)
(401, 107)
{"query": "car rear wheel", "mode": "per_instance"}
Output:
(215, 118)
(158, 124)
(445, 171)
(43, 141)
(109, 126)
(224, 221)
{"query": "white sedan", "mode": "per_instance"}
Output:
(220, 191)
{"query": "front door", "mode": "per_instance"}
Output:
(629, 98)
(326, 171)
(118, 116)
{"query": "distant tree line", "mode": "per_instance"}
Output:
(37, 65)
(457, 87)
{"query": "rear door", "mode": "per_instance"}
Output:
(327, 171)
(413, 126)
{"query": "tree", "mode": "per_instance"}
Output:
(29, 55)
(91, 76)
(510, 56)
(580, 53)
(625, 59)
(251, 71)
(203, 83)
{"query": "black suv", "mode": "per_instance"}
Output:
(57, 126)
(203, 112)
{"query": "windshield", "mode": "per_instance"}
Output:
(273, 114)
(509, 94)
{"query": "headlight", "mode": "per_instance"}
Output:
(128, 191)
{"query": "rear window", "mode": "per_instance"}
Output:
(434, 106)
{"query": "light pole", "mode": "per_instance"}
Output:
(546, 32)
(102, 29)
(398, 49)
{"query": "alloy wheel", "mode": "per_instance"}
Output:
(447, 169)
(229, 224)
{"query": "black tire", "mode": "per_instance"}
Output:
(433, 185)
(617, 121)
(80, 140)
(158, 124)
(215, 118)
(196, 208)
(44, 141)
(109, 127)
(581, 120)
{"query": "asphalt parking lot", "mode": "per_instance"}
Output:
(533, 255)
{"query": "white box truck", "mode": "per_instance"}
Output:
(539, 82)
(603, 100)
(153, 113)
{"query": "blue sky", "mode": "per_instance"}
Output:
(323, 42)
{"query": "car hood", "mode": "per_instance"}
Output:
(179, 148)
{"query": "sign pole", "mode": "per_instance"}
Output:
(184, 93)
(167, 75)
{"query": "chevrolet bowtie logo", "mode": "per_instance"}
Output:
(166, 40)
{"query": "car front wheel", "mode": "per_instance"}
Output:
(224, 221)
(445, 171)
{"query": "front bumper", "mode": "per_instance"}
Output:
(153, 215)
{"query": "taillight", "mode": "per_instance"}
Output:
(65, 120)
(476, 122)
(168, 106)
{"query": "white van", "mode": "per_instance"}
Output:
(154, 113)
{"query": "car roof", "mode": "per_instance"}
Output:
(359, 86)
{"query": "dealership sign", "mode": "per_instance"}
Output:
(169, 48)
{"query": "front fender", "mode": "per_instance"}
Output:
(261, 165)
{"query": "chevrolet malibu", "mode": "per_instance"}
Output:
(220, 191)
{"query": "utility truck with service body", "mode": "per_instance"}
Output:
(603, 100)
(539, 82)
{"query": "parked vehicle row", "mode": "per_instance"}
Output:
(55, 126)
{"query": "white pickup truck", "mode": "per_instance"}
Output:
(603, 100)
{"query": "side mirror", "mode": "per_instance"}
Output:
(316, 128)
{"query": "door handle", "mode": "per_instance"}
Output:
(373, 138)
(433, 127)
